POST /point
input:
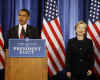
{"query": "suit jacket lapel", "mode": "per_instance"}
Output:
(28, 31)
(16, 32)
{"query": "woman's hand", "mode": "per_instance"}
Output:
(68, 74)
(89, 72)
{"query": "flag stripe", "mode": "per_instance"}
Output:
(97, 60)
(1, 66)
(57, 39)
(98, 24)
(1, 37)
(97, 68)
(51, 68)
(91, 28)
(96, 52)
(52, 53)
(58, 35)
(94, 30)
(52, 61)
(51, 31)
(58, 25)
(53, 23)
(94, 39)
(97, 30)
(53, 46)
(2, 55)
(53, 40)
(50, 73)
(1, 43)
(2, 61)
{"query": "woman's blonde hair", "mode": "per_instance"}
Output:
(80, 22)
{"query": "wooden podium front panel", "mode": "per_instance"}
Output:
(26, 68)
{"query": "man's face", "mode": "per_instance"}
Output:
(23, 17)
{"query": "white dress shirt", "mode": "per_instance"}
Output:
(20, 28)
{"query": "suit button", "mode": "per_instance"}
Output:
(81, 60)
(80, 48)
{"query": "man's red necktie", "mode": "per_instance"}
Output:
(22, 33)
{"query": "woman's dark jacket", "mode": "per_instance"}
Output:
(79, 57)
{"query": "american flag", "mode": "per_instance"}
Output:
(52, 33)
(94, 30)
(2, 55)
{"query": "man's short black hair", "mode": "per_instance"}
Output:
(26, 10)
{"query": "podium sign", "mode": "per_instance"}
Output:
(26, 48)
(26, 60)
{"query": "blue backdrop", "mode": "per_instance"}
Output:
(9, 12)
(70, 12)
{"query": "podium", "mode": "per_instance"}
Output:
(26, 68)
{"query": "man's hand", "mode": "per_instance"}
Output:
(68, 74)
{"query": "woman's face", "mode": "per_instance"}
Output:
(81, 30)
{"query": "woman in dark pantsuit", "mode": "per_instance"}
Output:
(79, 58)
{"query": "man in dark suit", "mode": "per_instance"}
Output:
(22, 30)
